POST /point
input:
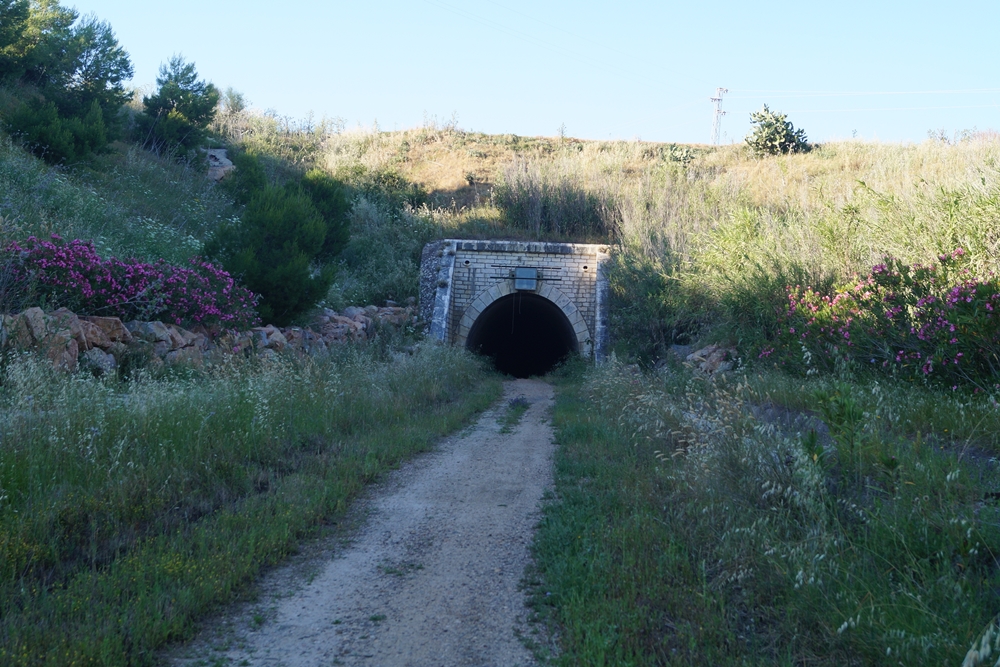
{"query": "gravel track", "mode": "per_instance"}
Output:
(431, 577)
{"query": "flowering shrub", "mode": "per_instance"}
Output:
(72, 274)
(937, 322)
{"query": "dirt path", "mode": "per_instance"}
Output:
(431, 577)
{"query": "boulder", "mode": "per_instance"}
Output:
(219, 164)
(259, 337)
(111, 326)
(180, 337)
(98, 361)
(61, 349)
(186, 356)
(27, 328)
(93, 336)
(64, 319)
(341, 329)
(711, 359)
(350, 311)
(119, 350)
(152, 332)
(276, 341)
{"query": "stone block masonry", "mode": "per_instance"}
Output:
(461, 278)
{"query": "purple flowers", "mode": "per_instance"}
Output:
(72, 274)
(936, 321)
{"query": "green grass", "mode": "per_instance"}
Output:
(516, 407)
(683, 530)
(128, 511)
(129, 202)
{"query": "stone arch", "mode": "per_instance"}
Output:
(547, 291)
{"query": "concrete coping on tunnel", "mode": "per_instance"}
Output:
(537, 247)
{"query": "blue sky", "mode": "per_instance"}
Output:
(889, 71)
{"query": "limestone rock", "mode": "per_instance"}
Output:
(64, 319)
(62, 350)
(152, 332)
(186, 356)
(277, 341)
(112, 328)
(219, 164)
(93, 336)
(28, 328)
(98, 361)
(352, 311)
(711, 359)
(180, 338)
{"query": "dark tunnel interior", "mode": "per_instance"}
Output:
(524, 334)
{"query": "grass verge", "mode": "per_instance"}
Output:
(129, 510)
(685, 530)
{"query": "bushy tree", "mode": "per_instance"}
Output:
(96, 70)
(36, 43)
(272, 248)
(71, 75)
(13, 20)
(183, 106)
(772, 134)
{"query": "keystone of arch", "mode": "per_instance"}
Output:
(485, 298)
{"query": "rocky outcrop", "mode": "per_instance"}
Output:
(712, 359)
(219, 164)
(99, 344)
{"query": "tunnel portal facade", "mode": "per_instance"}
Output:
(522, 303)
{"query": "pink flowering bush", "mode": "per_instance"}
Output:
(71, 274)
(937, 322)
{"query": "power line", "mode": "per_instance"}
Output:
(862, 93)
(970, 106)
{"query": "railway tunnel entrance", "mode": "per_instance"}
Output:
(524, 334)
(525, 304)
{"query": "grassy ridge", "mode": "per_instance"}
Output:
(129, 510)
(693, 527)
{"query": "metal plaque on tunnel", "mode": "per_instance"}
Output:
(525, 279)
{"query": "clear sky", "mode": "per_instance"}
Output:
(628, 69)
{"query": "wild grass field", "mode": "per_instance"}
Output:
(132, 508)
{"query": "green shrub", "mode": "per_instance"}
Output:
(247, 178)
(272, 249)
(650, 308)
(330, 198)
(382, 259)
(386, 187)
(772, 134)
(55, 138)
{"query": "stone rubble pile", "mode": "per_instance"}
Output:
(100, 344)
(712, 359)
